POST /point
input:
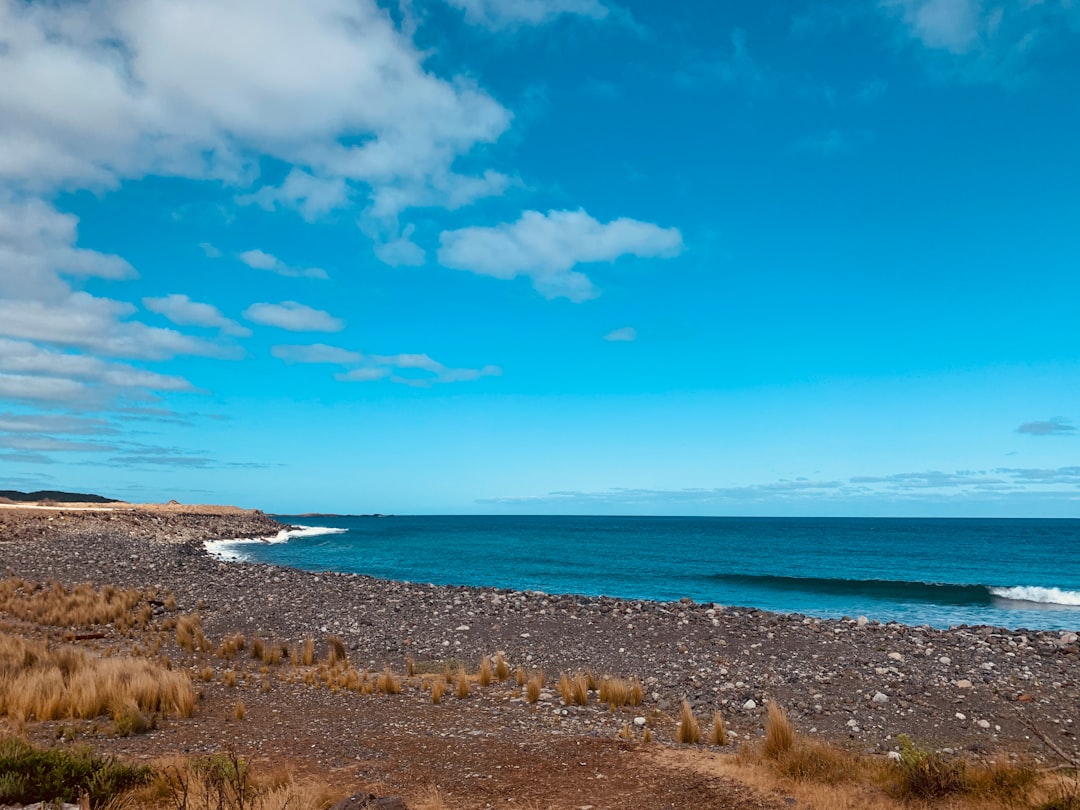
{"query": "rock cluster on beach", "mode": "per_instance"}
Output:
(977, 688)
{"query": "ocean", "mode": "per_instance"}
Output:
(941, 572)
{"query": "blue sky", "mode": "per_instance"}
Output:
(543, 256)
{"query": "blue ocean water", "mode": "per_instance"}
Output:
(1008, 573)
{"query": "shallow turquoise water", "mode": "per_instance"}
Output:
(1012, 573)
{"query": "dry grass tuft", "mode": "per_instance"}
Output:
(646, 736)
(462, 684)
(239, 711)
(718, 734)
(502, 669)
(816, 762)
(189, 634)
(388, 683)
(484, 675)
(688, 731)
(615, 692)
(575, 690)
(38, 682)
(637, 693)
(229, 677)
(533, 687)
(922, 774)
(520, 677)
(206, 674)
(80, 606)
(336, 652)
(410, 666)
(306, 655)
(431, 798)
(438, 687)
(779, 733)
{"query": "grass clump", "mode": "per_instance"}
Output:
(388, 683)
(485, 675)
(80, 606)
(438, 687)
(779, 733)
(574, 690)
(688, 731)
(502, 668)
(336, 652)
(922, 774)
(29, 775)
(718, 733)
(41, 683)
(533, 687)
(815, 762)
(462, 683)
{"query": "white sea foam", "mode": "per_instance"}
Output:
(1045, 596)
(232, 550)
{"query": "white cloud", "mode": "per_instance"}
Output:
(25, 358)
(94, 93)
(52, 423)
(183, 311)
(316, 353)
(260, 260)
(978, 41)
(546, 247)
(41, 389)
(497, 14)
(82, 321)
(401, 251)
(209, 250)
(625, 334)
(407, 369)
(312, 196)
(294, 317)
(37, 245)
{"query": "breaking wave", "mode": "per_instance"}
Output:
(939, 593)
(232, 550)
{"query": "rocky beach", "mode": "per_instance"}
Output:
(857, 683)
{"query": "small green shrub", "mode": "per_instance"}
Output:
(924, 774)
(29, 775)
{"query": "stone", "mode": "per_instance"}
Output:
(862, 621)
(963, 683)
(1067, 639)
(880, 697)
(983, 723)
(894, 756)
(750, 704)
(639, 721)
(895, 656)
(945, 660)
(369, 801)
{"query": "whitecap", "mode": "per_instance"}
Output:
(1044, 596)
(232, 550)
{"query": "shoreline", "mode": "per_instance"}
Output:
(859, 683)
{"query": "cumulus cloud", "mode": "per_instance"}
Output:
(625, 334)
(209, 250)
(498, 14)
(95, 93)
(294, 317)
(183, 311)
(1058, 426)
(260, 260)
(546, 248)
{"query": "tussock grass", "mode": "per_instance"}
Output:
(718, 733)
(520, 676)
(239, 711)
(463, 687)
(190, 635)
(485, 675)
(438, 687)
(229, 677)
(80, 606)
(388, 683)
(779, 733)
(688, 731)
(619, 692)
(206, 674)
(808, 761)
(336, 652)
(533, 687)
(574, 690)
(41, 683)
(431, 798)
(502, 668)
(410, 665)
